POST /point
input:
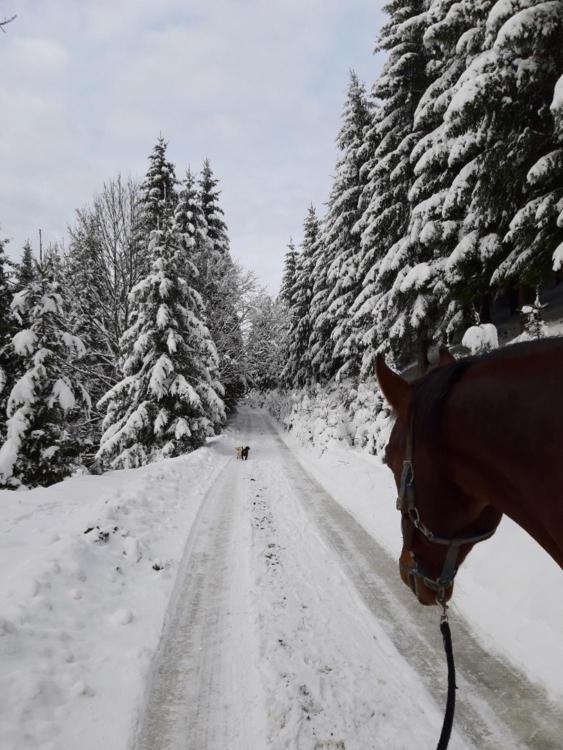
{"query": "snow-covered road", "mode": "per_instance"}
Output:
(289, 628)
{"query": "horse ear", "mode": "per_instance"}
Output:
(445, 358)
(396, 389)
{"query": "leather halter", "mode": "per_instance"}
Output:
(406, 503)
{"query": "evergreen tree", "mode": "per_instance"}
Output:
(534, 35)
(320, 342)
(341, 242)
(157, 199)
(557, 110)
(170, 398)
(25, 269)
(298, 369)
(7, 369)
(500, 124)
(218, 283)
(289, 270)
(40, 448)
(191, 225)
(384, 258)
(429, 305)
(214, 215)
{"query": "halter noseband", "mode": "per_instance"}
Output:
(406, 503)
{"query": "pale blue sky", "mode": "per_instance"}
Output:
(255, 85)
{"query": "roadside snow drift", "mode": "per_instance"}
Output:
(87, 570)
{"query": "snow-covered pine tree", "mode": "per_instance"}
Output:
(529, 44)
(214, 215)
(557, 110)
(499, 123)
(341, 242)
(320, 342)
(288, 278)
(24, 270)
(298, 371)
(431, 301)
(7, 369)
(157, 200)
(220, 289)
(191, 225)
(384, 257)
(40, 448)
(170, 398)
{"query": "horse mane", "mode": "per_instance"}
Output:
(431, 391)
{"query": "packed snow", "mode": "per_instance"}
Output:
(299, 655)
(88, 566)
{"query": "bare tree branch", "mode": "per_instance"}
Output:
(6, 21)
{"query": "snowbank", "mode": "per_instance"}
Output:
(88, 566)
(341, 413)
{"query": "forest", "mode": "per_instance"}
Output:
(447, 197)
(135, 341)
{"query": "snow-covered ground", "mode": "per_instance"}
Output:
(81, 611)
(508, 589)
(287, 624)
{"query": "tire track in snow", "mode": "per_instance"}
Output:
(231, 664)
(497, 706)
(201, 695)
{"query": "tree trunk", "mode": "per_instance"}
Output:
(485, 309)
(526, 296)
(422, 346)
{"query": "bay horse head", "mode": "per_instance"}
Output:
(440, 522)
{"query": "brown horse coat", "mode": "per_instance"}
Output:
(488, 440)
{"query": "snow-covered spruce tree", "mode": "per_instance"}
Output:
(557, 110)
(385, 259)
(342, 241)
(7, 368)
(298, 371)
(191, 225)
(40, 447)
(432, 305)
(157, 201)
(534, 35)
(24, 270)
(289, 270)
(320, 342)
(500, 124)
(170, 398)
(219, 284)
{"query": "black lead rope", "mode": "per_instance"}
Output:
(450, 704)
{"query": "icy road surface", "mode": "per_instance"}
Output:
(290, 628)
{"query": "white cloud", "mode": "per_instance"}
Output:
(256, 85)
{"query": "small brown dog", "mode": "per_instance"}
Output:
(238, 452)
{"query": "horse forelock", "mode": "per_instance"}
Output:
(430, 395)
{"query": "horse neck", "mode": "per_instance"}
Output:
(492, 459)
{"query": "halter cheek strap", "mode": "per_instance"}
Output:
(406, 503)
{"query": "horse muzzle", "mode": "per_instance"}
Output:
(425, 589)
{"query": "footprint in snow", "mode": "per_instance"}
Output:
(121, 617)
